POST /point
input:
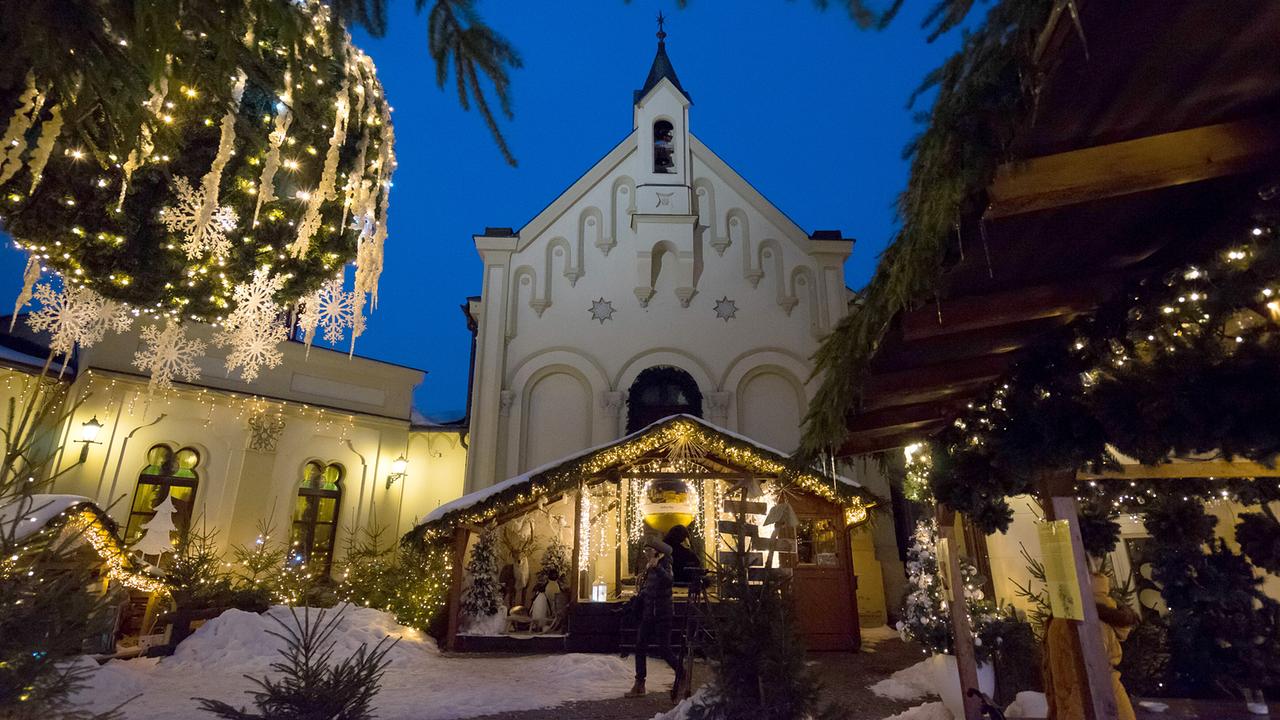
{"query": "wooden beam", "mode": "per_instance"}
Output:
(1186, 469)
(978, 312)
(867, 443)
(577, 544)
(961, 630)
(898, 417)
(933, 382)
(459, 551)
(1132, 166)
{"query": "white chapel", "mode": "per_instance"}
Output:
(660, 282)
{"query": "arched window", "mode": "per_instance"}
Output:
(168, 473)
(664, 158)
(661, 392)
(315, 516)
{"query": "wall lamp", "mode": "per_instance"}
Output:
(89, 436)
(399, 466)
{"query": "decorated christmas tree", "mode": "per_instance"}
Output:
(484, 592)
(555, 560)
(925, 615)
(157, 539)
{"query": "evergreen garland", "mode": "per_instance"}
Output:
(484, 593)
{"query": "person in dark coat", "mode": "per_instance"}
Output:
(685, 565)
(653, 593)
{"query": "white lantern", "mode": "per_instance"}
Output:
(599, 591)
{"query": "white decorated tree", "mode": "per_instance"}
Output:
(483, 596)
(926, 618)
(156, 540)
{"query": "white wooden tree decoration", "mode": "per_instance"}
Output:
(156, 541)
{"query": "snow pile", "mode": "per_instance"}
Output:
(420, 684)
(1028, 704)
(681, 711)
(36, 511)
(910, 683)
(873, 636)
(928, 711)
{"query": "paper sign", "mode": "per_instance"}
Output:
(1060, 570)
(944, 566)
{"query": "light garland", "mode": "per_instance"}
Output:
(566, 476)
(85, 520)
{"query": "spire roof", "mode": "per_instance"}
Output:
(661, 67)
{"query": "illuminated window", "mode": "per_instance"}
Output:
(168, 473)
(816, 543)
(315, 516)
(664, 151)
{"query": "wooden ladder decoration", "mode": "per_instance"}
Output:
(746, 544)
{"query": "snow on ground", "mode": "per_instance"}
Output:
(873, 636)
(420, 684)
(910, 683)
(928, 711)
(1028, 704)
(681, 711)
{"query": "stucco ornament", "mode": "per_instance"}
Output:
(601, 310)
(726, 309)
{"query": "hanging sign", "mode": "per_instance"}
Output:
(1063, 584)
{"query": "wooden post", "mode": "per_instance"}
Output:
(1100, 700)
(460, 537)
(577, 545)
(966, 660)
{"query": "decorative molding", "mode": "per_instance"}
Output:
(788, 303)
(612, 402)
(644, 294)
(720, 244)
(601, 310)
(539, 305)
(753, 276)
(505, 399)
(685, 294)
(726, 309)
(265, 431)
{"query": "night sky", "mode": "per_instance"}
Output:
(806, 107)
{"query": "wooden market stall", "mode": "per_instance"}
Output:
(1143, 132)
(602, 502)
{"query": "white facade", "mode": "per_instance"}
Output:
(663, 249)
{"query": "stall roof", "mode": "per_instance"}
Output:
(1153, 122)
(724, 447)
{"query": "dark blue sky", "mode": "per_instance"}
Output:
(805, 106)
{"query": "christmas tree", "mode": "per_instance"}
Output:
(484, 592)
(157, 540)
(925, 618)
(555, 560)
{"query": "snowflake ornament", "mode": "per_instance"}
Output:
(76, 316)
(331, 309)
(204, 229)
(168, 354)
(253, 330)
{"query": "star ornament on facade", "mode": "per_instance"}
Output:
(726, 309)
(602, 310)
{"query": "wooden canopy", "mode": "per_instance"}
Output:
(1154, 120)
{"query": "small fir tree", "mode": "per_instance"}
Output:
(309, 685)
(925, 618)
(555, 558)
(484, 592)
(258, 567)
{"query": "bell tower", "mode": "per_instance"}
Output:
(665, 220)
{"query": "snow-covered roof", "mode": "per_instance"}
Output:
(479, 497)
(35, 511)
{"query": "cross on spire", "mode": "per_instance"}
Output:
(662, 35)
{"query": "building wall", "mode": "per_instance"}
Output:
(662, 249)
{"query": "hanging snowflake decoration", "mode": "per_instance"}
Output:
(77, 316)
(204, 229)
(331, 309)
(168, 354)
(253, 330)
